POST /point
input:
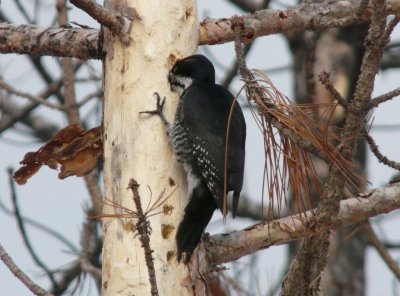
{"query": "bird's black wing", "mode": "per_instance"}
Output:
(206, 109)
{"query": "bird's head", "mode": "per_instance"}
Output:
(195, 68)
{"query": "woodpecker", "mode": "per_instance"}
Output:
(198, 137)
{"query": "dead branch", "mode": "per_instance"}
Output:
(381, 249)
(21, 225)
(223, 248)
(34, 288)
(305, 16)
(84, 43)
(385, 97)
(42, 227)
(378, 154)
(116, 22)
(54, 41)
(89, 246)
(144, 229)
(324, 78)
(34, 99)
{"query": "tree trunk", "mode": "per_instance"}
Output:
(136, 146)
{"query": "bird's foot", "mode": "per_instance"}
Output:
(159, 109)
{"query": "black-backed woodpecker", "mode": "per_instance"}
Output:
(198, 137)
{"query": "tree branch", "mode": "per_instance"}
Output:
(302, 17)
(378, 154)
(385, 97)
(144, 229)
(34, 288)
(34, 99)
(223, 248)
(22, 229)
(380, 248)
(54, 41)
(86, 43)
(116, 22)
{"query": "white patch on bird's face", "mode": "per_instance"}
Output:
(179, 83)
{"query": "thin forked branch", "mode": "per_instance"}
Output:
(144, 229)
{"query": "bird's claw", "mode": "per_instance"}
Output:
(160, 102)
(159, 110)
(159, 106)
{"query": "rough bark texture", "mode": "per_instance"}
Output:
(36, 41)
(307, 16)
(223, 248)
(136, 146)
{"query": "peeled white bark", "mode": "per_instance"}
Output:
(136, 146)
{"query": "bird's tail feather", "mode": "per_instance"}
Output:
(198, 213)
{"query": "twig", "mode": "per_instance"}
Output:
(34, 288)
(34, 99)
(40, 127)
(95, 193)
(24, 234)
(67, 277)
(324, 78)
(144, 229)
(381, 158)
(25, 111)
(380, 248)
(117, 23)
(88, 97)
(23, 11)
(89, 246)
(385, 97)
(388, 31)
(234, 68)
(42, 227)
(68, 70)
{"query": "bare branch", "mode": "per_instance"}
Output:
(25, 111)
(34, 99)
(324, 78)
(68, 71)
(64, 42)
(46, 229)
(385, 97)
(95, 193)
(116, 22)
(34, 288)
(144, 229)
(381, 158)
(39, 126)
(381, 249)
(305, 16)
(222, 248)
(21, 226)
(89, 246)
(84, 43)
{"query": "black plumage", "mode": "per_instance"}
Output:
(198, 136)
